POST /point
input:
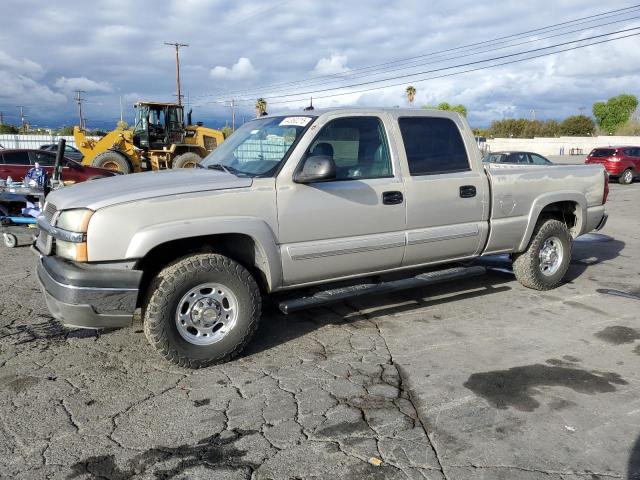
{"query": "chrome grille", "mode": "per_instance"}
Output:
(49, 212)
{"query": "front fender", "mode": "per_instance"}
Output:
(144, 240)
(547, 199)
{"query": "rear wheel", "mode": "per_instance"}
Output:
(203, 310)
(112, 161)
(626, 177)
(186, 160)
(546, 260)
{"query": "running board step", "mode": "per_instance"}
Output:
(335, 295)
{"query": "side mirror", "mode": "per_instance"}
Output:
(318, 168)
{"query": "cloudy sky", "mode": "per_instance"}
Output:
(283, 50)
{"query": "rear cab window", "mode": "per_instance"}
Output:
(433, 146)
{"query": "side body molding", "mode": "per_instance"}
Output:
(267, 253)
(547, 199)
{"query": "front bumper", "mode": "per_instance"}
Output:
(88, 296)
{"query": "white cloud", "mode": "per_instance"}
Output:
(21, 67)
(331, 65)
(82, 83)
(20, 89)
(241, 70)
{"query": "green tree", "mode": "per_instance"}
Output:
(577, 126)
(65, 131)
(524, 128)
(615, 112)
(6, 128)
(226, 131)
(261, 107)
(461, 109)
(411, 94)
(631, 128)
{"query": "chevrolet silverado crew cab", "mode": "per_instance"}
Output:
(305, 208)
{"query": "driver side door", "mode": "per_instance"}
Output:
(352, 224)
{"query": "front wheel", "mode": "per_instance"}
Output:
(546, 260)
(203, 310)
(626, 177)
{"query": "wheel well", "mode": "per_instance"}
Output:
(566, 212)
(237, 246)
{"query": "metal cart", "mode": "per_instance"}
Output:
(13, 224)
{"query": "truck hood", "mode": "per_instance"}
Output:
(96, 194)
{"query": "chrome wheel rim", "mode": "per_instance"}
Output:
(550, 256)
(628, 176)
(206, 314)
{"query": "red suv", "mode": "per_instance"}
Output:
(622, 163)
(16, 164)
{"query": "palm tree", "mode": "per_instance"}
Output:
(261, 107)
(411, 94)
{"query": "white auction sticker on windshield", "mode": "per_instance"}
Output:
(295, 122)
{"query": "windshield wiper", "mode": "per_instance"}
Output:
(219, 166)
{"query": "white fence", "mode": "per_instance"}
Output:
(559, 145)
(32, 141)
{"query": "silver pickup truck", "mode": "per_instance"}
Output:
(333, 200)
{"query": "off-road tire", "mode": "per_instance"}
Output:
(526, 265)
(626, 177)
(112, 161)
(186, 160)
(178, 278)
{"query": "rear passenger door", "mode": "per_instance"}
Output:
(447, 200)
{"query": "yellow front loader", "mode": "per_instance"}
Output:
(158, 140)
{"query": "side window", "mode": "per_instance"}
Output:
(538, 160)
(16, 158)
(43, 158)
(358, 146)
(433, 145)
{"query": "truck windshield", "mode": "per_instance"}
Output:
(257, 148)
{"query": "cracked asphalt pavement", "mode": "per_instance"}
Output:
(477, 379)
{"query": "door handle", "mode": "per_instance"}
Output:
(467, 191)
(392, 198)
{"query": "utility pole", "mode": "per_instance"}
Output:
(177, 47)
(1, 119)
(23, 122)
(79, 100)
(533, 114)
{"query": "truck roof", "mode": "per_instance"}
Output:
(407, 112)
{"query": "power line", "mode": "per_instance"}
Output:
(533, 57)
(467, 47)
(509, 62)
(397, 77)
(346, 76)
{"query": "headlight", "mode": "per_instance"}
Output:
(76, 220)
(72, 223)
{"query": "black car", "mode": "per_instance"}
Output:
(69, 151)
(520, 158)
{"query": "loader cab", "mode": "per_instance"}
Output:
(158, 125)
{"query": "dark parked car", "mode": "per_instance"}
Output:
(622, 163)
(520, 158)
(16, 163)
(69, 151)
